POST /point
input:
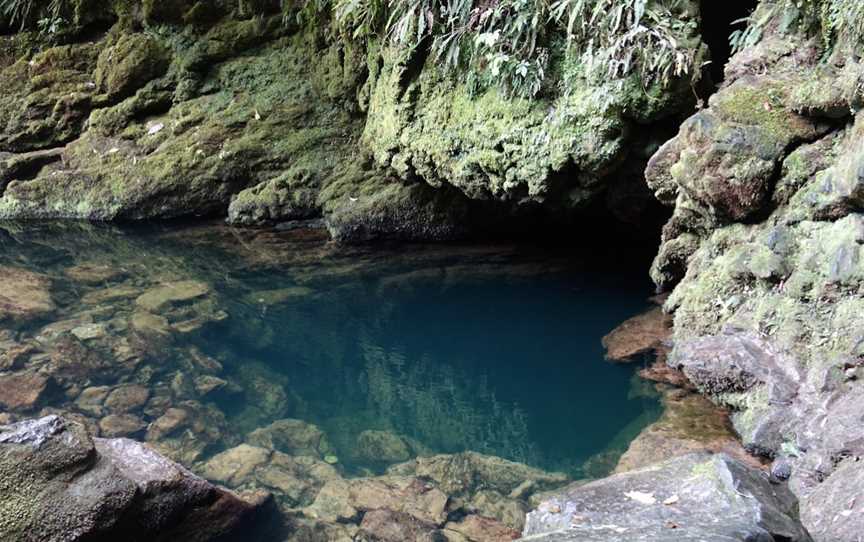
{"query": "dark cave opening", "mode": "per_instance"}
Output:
(719, 20)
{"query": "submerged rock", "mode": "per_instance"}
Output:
(158, 299)
(24, 295)
(642, 334)
(382, 447)
(692, 497)
(60, 484)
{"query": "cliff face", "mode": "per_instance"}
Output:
(765, 247)
(157, 110)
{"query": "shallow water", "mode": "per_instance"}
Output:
(488, 348)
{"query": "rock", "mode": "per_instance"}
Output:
(206, 384)
(280, 296)
(716, 498)
(89, 332)
(293, 437)
(131, 62)
(172, 420)
(464, 473)
(343, 500)
(639, 335)
(481, 529)
(382, 447)
(69, 487)
(121, 425)
(508, 511)
(295, 481)
(157, 299)
(390, 526)
(91, 400)
(150, 324)
(94, 273)
(127, 398)
(22, 391)
(24, 295)
(833, 511)
(742, 363)
(235, 466)
(690, 423)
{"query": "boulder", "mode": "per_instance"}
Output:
(688, 498)
(59, 484)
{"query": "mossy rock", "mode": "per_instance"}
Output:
(129, 64)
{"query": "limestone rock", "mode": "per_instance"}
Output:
(234, 466)
(692, 497)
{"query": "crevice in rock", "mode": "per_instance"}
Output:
(719, 20)
(26, 166)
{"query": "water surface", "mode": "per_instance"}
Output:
(491, 348)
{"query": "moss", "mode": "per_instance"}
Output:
(763, 104)
(130, 63)
(424, 123)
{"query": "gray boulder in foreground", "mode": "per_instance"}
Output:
(59, 484)
(696, 497)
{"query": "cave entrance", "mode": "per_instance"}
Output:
(718, 22)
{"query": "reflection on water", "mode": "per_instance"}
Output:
(393, 352)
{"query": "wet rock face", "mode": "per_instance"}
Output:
(692, 497)
(60, 484)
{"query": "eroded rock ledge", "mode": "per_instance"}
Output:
(241, 112)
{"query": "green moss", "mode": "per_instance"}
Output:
(763, 104)
(130, 63)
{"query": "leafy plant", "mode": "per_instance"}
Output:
(509, 42)
(48, 16)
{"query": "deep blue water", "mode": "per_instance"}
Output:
(503, 357)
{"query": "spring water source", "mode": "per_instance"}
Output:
(446, 348)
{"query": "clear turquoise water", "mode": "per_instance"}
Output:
(488, 348)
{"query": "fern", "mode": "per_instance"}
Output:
(509, 42)
(47, 15)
